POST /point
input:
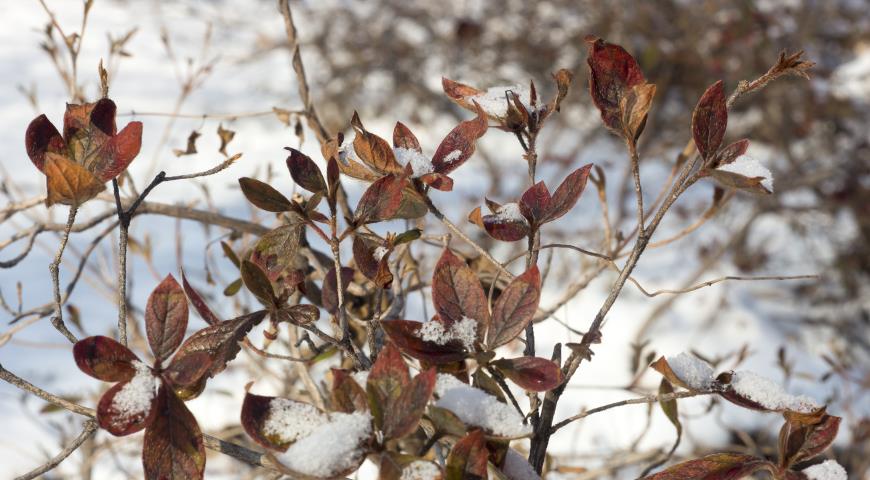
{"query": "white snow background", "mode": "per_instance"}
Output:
(757, 314)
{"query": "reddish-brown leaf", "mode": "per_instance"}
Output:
(387, 379)
(412, 204)
(173, 446)
(468, 458)
(612, 73)
(198, 302)
(276, 254)
(563, 80)
(373, 150)
(122, 422)
(728, 154)
(515, 308)
(220, 341)
(404, 138)
(404, 415)
(719, 466)
(188, 369)
(456, 292)
(531, 373)
(438, 181)
(507, 228)
(329, 292)
(68, 183)
(709, 120)
(104, 359)
(255, 412)
(257, 282)
(459, 144)
(300, 314)
(404, 334)
(566, 196)
(305, 172)
(378, 271)
(381, 201)
(42, 137)
(118, 152)
(166, 318)
(263, 196)
(635, 105)
(460, 93)
(535, 203)
(800, 440)
(347, 395)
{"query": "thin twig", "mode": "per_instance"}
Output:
(88, 431)
(631, 401)
(54, 270)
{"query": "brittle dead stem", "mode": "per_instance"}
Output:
(54, 270)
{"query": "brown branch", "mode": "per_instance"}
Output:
(718, 280)
(54, 270)
(631, 401)
(238, 452)
(87, 432)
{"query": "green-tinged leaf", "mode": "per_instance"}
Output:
(173, 446)
(263, 196)
(468, 458)
(258, 283)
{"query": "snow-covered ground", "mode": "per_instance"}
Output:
(756, 315)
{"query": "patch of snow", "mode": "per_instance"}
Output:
(332, 448)
(827, 470)
(751, 168)
(134, 398)
(494, 101)
(452, 156)
(770, 394)
(693, 371)
(516, 467)
(361, 377)
(510, 212)
(291, 420)
(478, 408)
(420, 470)
(379, 253)
(851, 80)
(464, 330)
(420, 164)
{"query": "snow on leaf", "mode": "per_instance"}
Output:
(477, 408)
(335, 448)
(827, 470)
(769, 394)
(463, 331)
(420, 164)
(694, 372)
(745, 173)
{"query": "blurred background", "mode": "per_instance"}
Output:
(184, 66)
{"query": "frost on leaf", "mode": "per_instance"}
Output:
(477, 408)
(128, 406)
(745, 173)
(827, 470)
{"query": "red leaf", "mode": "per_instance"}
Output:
(505, 225)
(566, 196)
(347, 395)
(378, 271)
(709, 120)
(104, 359)
(127, 408)
(515, 308)
(728, 154)
(612, 73)
(531, 373)
(800, 439)
(220, 341)
(41, 137)
(404, 334)
(404, 138)
(263, 196)
(373, 150)
(198, 302)
(166, 318)
(405, 414)
(468, 458)
(119, 151)
(438, 181)
(187, 370)
(458, 145)
(381, 201)
(305, 172)
(387, 379)
(173, 446)
(456, 292)
(535, 203)
(719, 466)
(329, 294)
